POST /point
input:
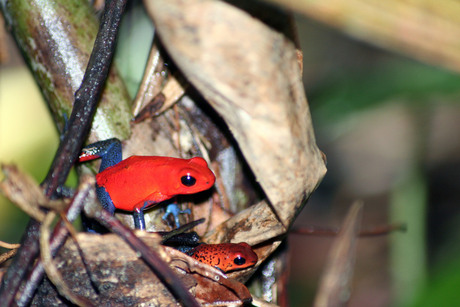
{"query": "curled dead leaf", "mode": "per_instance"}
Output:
(248, 71)
(243, 60)
(22, 190)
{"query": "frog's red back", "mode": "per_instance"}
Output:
(140, 180)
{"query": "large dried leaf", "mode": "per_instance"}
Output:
(21, 189)
(249, 73)
(426, 30)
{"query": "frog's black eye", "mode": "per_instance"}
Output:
(239, 260)
(188, 180)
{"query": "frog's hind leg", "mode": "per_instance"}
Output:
(105, 200)
(90, 225)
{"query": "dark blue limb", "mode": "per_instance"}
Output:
(138, 215)
(174, 209)
(184, 249)
(139, 221)
(92, 226)
(105, 200)
(183, 241)
(110, 153)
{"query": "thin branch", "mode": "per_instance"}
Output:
(21, 263)
(87, 96)
(331, 232)
(7, 255)
(86, 99)
(9, 245)
(158, 266)
(84, 194)
(51, 269)
(334, 288)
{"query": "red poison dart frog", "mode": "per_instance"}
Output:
(139, 182)
(225, 256)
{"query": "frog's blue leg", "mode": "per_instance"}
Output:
(183, 242)
(89, 224)
(174, 209)
(138, 215)
(110, 153)
(105, 199)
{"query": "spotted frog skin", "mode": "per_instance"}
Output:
(225, 256)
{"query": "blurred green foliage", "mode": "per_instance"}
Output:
(442, 288)
(28, 139)
(363, 84)
(349, 91)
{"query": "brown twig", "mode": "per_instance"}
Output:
(85, 193)
(159, 267)
(87, 96)
(20, 265)
(9, 245)
(331, 232)
(335, 281)
(51, 270)
(86, 100)
(221, 188)
(9, 254)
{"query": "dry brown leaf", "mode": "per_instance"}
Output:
(426, 30)
(22, 190)
(152, 81)
(249, 73)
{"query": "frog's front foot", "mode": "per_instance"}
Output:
(174, 209)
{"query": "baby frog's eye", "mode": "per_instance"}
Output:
(188, 180)
(239, 260)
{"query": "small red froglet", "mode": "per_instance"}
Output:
(225, 256)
